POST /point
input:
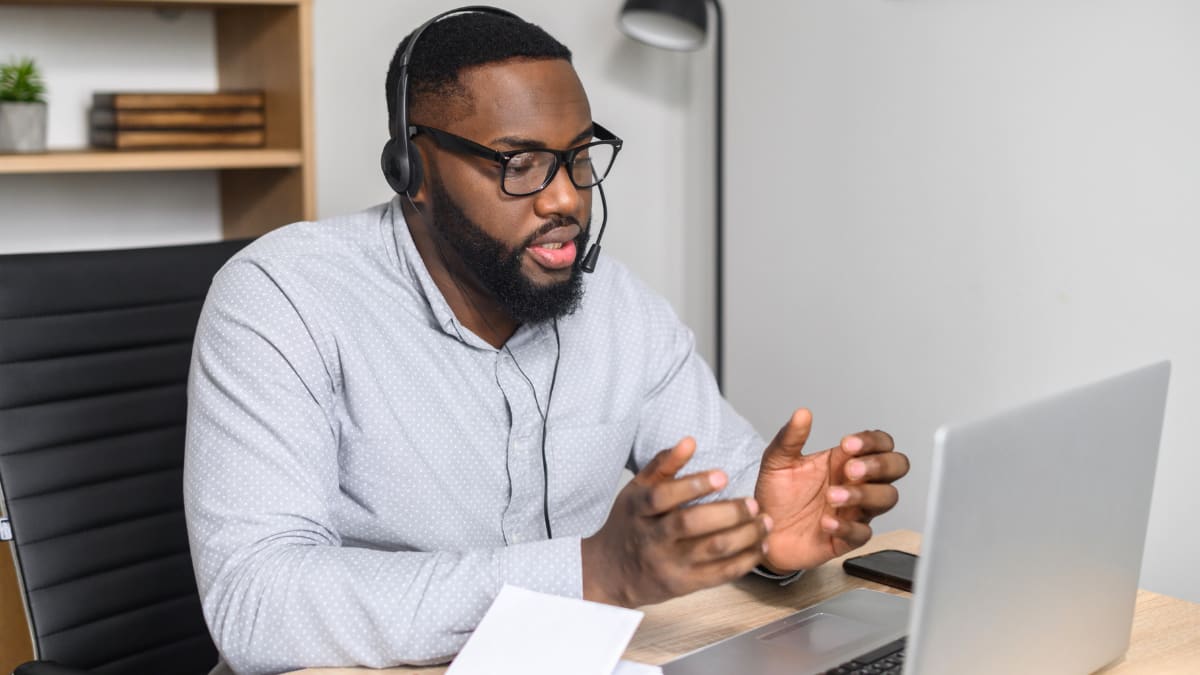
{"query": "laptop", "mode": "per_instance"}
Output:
(1031, 554)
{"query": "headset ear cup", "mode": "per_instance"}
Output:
(394, 167)
(416, 171)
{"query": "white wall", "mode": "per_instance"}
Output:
(940, 207)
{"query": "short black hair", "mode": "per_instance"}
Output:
(462, 41)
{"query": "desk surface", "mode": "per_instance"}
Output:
(1166, 630)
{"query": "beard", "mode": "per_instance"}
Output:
(498, 268)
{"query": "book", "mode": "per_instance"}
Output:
(149, 100)
(123, 139)
(108, 118)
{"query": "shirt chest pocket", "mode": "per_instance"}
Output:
(586, 469)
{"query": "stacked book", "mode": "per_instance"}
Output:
(142, 120)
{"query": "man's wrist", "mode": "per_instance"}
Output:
(597, 584)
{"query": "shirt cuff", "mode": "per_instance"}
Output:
(783, 579)
(553, 566)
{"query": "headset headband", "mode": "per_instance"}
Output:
(400, 121)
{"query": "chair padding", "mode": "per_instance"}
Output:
(94, 354)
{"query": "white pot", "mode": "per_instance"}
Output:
(22, 127)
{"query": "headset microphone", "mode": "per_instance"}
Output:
(589, 260)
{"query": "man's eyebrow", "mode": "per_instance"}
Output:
(521, 143)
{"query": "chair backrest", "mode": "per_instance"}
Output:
(94, 355)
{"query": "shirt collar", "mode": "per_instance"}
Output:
(412, 264)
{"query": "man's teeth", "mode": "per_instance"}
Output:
(552, 247)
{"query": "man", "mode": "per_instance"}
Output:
(396, 412)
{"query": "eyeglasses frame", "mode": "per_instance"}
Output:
(455, 143)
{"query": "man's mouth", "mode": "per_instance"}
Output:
(555, 250)
(554, 255)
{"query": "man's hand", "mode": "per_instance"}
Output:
(654, 546)
(821, 503)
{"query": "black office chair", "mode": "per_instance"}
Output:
(94, 352)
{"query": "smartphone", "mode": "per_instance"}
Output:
(889, 567)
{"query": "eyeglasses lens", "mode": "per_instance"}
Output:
(529, 172)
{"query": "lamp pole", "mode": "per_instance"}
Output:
(682, 25)
(719, 190)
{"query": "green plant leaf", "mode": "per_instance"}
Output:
(21, 82)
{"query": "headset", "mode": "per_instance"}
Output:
(401, 160)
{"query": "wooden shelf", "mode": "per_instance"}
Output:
(93, 161)
(264, 45)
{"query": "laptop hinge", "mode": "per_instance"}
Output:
(5, 530)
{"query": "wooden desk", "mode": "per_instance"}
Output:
(1166, 630)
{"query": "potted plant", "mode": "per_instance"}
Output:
(22, 107)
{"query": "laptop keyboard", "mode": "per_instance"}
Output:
(887, 660)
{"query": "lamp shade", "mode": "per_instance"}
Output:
(668, 24)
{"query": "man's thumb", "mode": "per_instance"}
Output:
(792, 436)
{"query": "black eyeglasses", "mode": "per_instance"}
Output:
(525, 172)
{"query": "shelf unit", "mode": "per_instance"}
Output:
(260, 44)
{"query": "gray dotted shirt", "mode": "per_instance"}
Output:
(363, 473)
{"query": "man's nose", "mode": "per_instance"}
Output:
(560, 196)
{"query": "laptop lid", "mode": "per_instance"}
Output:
(1031, 553)
(1035, 527)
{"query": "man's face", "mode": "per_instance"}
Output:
(525, 250)
(499, 267)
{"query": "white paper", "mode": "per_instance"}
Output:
(530, 633)
(634, 668)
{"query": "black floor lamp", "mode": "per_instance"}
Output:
(682, 25)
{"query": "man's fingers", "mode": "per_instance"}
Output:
(671, 494)
(873, 498)
(867, 442)
(882, 467)
(853, 533)
(667, 463)
(792, 436)
(730, 542)
(733, 567)
(702, 519)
